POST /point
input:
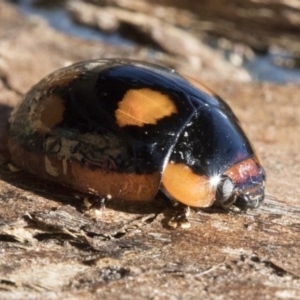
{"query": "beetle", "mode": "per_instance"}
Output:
(124, 129)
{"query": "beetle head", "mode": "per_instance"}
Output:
(245, 189)
(240, 196)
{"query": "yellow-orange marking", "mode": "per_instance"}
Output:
(51, 113)
(144, 106)
(187, 187)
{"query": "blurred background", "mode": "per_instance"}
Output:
(240, 39)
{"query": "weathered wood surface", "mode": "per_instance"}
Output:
(50, 250)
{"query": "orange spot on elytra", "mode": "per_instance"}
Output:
(187, 187)
(144, 106)
(51, 113)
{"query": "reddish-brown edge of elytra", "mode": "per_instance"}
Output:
(241, 171)
(143, 106)
(187, 187)
(125, 186)
(199, 85)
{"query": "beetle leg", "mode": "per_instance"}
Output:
(180, 218)
(95, 206)
(230, 202)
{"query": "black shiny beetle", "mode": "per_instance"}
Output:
(124, 129)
